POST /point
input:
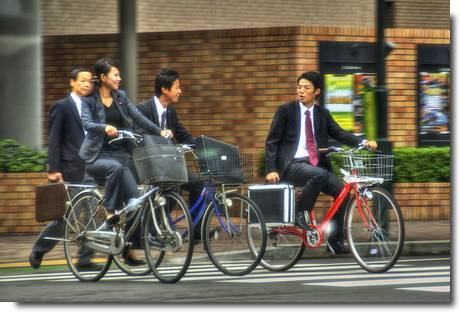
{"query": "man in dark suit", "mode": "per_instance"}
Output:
(65, 136)
(159, 110)
(298, 130)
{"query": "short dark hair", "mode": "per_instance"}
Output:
(103, 66)
(74, 73)
(314, 77)
(165, 79)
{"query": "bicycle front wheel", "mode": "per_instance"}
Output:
(85, 214)
(235, 235)
(283, 250)
(375, 230)
(168, 238)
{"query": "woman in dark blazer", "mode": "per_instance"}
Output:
(103, 113)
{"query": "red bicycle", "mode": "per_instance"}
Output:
(374, 225)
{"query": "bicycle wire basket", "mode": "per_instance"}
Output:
(221, 163)
(369, 166)
(160, 163)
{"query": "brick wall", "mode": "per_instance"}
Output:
(418, 201)
(63, 17)
(233, 80)
(70, 17)
(434, 14)
(17, 202)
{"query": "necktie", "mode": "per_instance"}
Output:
(163, 120)
(311, 146)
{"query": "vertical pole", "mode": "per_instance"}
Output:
(128, 47)
(381, 90)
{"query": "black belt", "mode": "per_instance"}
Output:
(299, 160)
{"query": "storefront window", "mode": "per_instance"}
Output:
(433, 95)
(434, 102)
(351, 100)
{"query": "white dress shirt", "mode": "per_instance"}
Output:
(302, 147)
(77, 101)
(160, 110)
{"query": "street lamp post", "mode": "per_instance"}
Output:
(128, 46)
(381, 90)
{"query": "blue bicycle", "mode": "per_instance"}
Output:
(233, 229)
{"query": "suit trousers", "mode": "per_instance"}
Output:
(194, 186)
(56, 229)
(314, 181)
(115, 167)
(120, 183)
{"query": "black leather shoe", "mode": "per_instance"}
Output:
(134, 262)
(339, 248)
(112, 220)
(301, 222)
(35, 259)
(89, 266)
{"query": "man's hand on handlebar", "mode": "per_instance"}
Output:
(371, 145)
(111, 131)
(272, 177)
(167, 134)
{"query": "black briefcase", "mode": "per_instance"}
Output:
(50, 202)
(277, 202)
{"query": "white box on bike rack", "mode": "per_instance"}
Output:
(276, 201)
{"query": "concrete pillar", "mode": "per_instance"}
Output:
(20, 68)
(128, 47)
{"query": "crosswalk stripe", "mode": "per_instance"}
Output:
(303, 272)
(213, 273)
(415, 280)
(444, 288)
(200, 267)
(334, 276)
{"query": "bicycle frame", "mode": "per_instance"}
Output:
(320, 228)
(209, 193)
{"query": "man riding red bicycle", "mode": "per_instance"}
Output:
(298, 130)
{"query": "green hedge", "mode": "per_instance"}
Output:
(20, 158)
(425, 164)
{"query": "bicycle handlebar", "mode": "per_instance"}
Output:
(127, 135)
(335, 149)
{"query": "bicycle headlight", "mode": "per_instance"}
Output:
(228, 202)
(368, 195)
(161, 201)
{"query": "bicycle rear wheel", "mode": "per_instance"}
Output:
(235, 235)
(283, 250)
(85, 214)
(168, 238)
(375, 233)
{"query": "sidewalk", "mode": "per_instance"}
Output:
(422, 238)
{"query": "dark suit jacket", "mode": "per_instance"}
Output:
(283, 137)
(65, 136)
(93, 117)
(181, 135)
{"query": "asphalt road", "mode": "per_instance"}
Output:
(331, 280)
